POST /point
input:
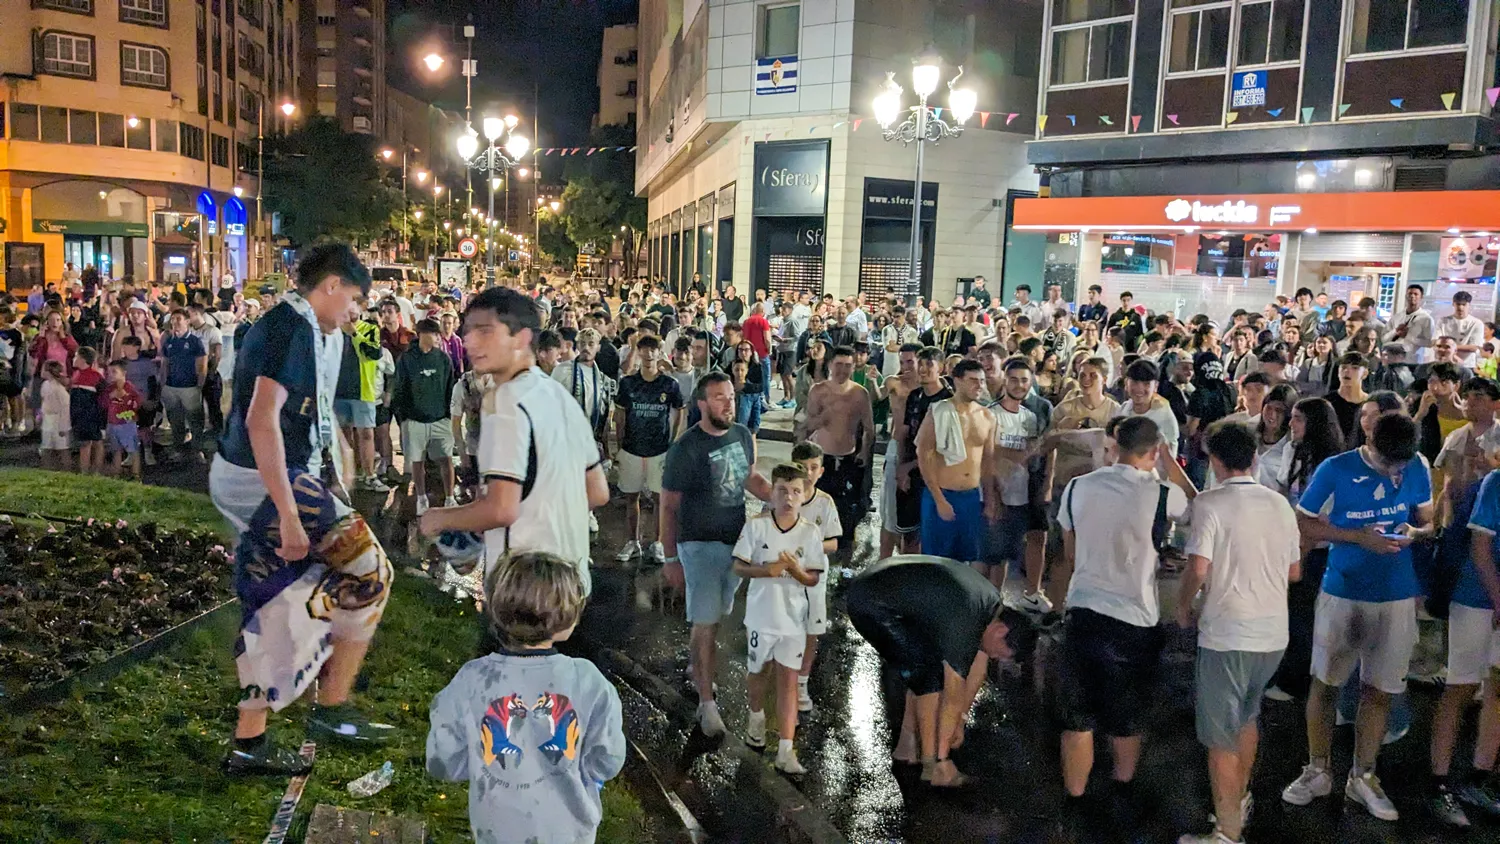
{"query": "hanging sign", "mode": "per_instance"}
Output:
(776, 75)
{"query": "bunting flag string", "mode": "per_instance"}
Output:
(1135, 124)
(1275, 112)
(1012, 116)
(1072, 118)
(1307, 114)
(1106, 120)
(1041, 125)
(1448, 99)
(984, 117)
(1493, 94)
(1231, 117)
(1398, 102)
(1171, 117)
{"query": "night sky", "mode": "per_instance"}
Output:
(550, 44)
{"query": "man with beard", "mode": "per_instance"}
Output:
(931, 390)
(707, 472)
(840, 420)
(311, 578)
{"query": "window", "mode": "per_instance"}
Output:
(1385, 25)
(166, 135)
(24, 122)
(111, 130)
(192, 141)
(220, 151)
(143, 66)
(139, 135)
(249, 105)
(216, 53)
(65, 54)
(147, 12)
(253, 11)
(54, 125)
(1082, 11)
(1091, 53)
(83, 127)
(1270, 32)
(326, 20)
(218, 97)
(202, 89)
(779, 31)
(1200, 36)
(245, 158)
(78, 7)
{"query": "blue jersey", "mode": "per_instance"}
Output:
(1484, 519)
(1354, 496)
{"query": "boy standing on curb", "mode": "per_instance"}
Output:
(423, 389)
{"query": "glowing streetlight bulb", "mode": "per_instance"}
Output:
(963, 102)
(924, 78)
(421, 176)
(132, 122)
(522, 172)
(495, 183)
(494, 127)
(555, 206)
(239, 191)
(468, 145)
(447, 225)
(386, 154)
(433, 62)
(511, 121)
(887, 104)
(288, 108)
(417, 213)
(437, 190)
(517, 146)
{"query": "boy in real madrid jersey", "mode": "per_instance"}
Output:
(783, 556)
(819, 509)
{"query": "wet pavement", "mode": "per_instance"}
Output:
(1011, 748)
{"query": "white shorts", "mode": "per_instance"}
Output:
(640, 474)
(888, 486)
(1376, 637)
(1473, 644)
(55, 439)
(774, 647)
(817, 606)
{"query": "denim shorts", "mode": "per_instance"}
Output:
(355, 413)
(708, 570)
(124, 437)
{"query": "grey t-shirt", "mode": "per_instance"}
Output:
(710, 472)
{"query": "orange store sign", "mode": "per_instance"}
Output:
(1414, 211)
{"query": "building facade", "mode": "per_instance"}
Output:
(763, 168)
(129, 134)
(1208, 155)
(617, 76)
(343, 61)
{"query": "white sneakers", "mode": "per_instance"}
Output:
(755, 730)
(450, 501)
(786, 760)
(804, 700)
(629, 552)
(1364, 789)
(422, 505)
(593, 523)
(710, 721)
(658, 553)
(1034, 603)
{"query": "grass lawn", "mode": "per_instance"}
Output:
(68, 495)
(138, 760)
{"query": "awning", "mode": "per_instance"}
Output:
(1453, 212)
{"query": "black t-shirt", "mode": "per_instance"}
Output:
(918, 402)
(734, 309)
(1093, 313)
(951, 601)
(283, 348)
(710, 472)
(608, 359)
(649, 406)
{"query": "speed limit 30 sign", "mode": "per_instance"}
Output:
(468, 248)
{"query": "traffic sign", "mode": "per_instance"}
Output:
(514, 255)
(468, 248)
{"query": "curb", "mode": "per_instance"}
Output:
(802, 821)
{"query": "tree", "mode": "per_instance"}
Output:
(552, 238)
(600, 194)
(326, 184)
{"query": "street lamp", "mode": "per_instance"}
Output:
(492, 159)
(388, 154)
(288, 108)
(921, 127)
(433, 62)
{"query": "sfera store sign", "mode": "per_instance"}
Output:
(1369, 211)
(791, 179)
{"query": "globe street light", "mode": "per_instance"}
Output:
(491, 159)
(433, 62)
(921, 127)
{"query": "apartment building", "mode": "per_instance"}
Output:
(762, 163)
(617, 76)
(128, 134)
(1208, 155)
(343, 61)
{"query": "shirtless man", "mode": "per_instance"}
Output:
(951, 505)
(931, 390)
(840, 419)
(1010, 508)
(897, 388)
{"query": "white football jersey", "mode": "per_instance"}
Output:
(779, 605)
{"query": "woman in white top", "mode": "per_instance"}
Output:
(1273, 437)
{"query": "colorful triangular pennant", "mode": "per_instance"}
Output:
(984, 117)
(1275, 112)
(1012, 116)
(1135, 123)
(1106, 120)
(1448, 99)
(938, 113)
(1493, 94)
(1041, 123)
(1343, 107)
(1173, 118)
(1307, 114)
(1231, 117)
(857, 121)
(1398, 102)
(1073, 119)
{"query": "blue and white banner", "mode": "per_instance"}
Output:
(776, 75)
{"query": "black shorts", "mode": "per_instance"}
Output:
(382, 415)
(909, 504)
(906, 646)
(786, 363)
(1106, 674)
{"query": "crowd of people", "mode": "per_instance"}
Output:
(1319, 480)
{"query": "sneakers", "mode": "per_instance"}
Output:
(709, 720)
(1445, 808)
(1366, 791)
(1034, 603)
(345, 723)
(786, 762)
(373, 484)
(804, 700)
(450, 501)
(629, 552)
(593, 523)
(1483, 796)
(150, 456)
(1275, 693)
(1247, 806)
(755, 731)
(658, 553)
(422, 505)
(266, 760)
(1312, 783)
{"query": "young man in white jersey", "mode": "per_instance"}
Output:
(538, 461)
(818, 508)
(782, 555)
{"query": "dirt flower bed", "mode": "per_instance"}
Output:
(74, 595)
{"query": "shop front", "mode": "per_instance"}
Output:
(235, 254)
(885, 239)
(789, 212)
(1214, 254)
(100, 225)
